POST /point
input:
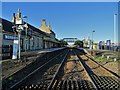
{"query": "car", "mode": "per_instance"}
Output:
(115, 48)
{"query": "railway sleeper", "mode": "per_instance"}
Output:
(69, 85)
(60, 85)
(55, 85)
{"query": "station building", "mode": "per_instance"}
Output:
(37, 38)
(49, 41)
(87, 42)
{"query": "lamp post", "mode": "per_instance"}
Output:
(19, 36)
(25, 32)
(26, 36)
(115, 17)
(18, 27)
(92, 38)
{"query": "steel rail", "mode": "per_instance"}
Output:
(102, 68)
(87, 73)
(91, 58)
(15, 85)
(53, 79)
(111, 72)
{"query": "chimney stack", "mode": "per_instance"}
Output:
(13, 18)
(18, 13)
(44, 23)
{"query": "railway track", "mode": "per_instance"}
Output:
(26, 73)
(70, 70)
(42, 75)
(102, 78)
(71, 75)
(67, 74)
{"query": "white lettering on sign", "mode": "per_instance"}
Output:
(10, 37)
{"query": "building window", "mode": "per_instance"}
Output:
(33, 42)
(37, 42)
(7, 51)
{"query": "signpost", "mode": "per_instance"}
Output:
(15, 49)
(18, 25)
(92, 38)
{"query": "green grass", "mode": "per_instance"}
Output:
(102, 59)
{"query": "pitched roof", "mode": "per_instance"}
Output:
(7, 26)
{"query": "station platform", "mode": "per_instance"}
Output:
(43, 50)
(35, 52)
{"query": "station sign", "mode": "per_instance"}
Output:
(15, 49)
(10, 37)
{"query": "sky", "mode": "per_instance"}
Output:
(68, 19)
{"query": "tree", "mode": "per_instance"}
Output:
(79, 43)
(63, 43)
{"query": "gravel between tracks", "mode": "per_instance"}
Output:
(73, 70)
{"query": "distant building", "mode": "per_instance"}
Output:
(87, 43)
(70, 41)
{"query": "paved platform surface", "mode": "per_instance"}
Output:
(35, 52)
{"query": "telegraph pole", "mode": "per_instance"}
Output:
(92, 38)
(115, 17)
